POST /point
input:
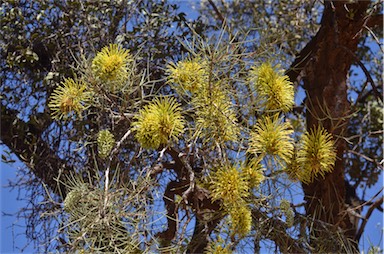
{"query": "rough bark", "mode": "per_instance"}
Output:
(328, 59)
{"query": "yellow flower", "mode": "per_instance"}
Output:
(274, 89)
(229, 185)
(241, 220)
(159, 123)
(293, 168)
(218, 247)
(111, 64)
(316, 155)
(272, 137)
(216, 120)
(189, 74)
(254, 174)
(71, 96)
(105, 143)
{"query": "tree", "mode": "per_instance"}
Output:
(124, 166)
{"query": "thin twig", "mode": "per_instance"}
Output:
(366, 157)
(218, 13)
(118, 144)
(366, 72)
(114, 151)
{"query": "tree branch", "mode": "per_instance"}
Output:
(24, 140)
(173, 188)
(301, 60)
(367, 74)
(193, 195)
(374, 205)
(218, 13)
(328, 106)
(278, 234)
(201, 232)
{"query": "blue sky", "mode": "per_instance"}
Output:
(11, 241)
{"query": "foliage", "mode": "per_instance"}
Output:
(213, 123)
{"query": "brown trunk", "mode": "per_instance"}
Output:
(325, 80)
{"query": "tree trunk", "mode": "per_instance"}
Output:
(325, 80)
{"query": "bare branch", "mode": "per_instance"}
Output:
(174, 188)
(37, 155)
(278, 234)
(374, 205)
(366, 72)
(218, 13)
(366, 158)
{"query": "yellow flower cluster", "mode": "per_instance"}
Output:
(216, 120)
(71, 96)
(240, 220)
(159, 123)
(189, 75)
(316, 154)
(111, 66)
(217, 247)
(232, 186)
(105, 143)
(229, 185)
(274, 89)
(272, 137)
(254, 175)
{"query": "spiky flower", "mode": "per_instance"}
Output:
(216, 119)
(240, 220)
(71, 97)
(111, 65)
(254, 174)
(273, 88)
(105, 143)
(159, 123)
(230, 185)
(272, 137)
(218, 247)
(190, 75)
(316, 155)
(293, 168)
